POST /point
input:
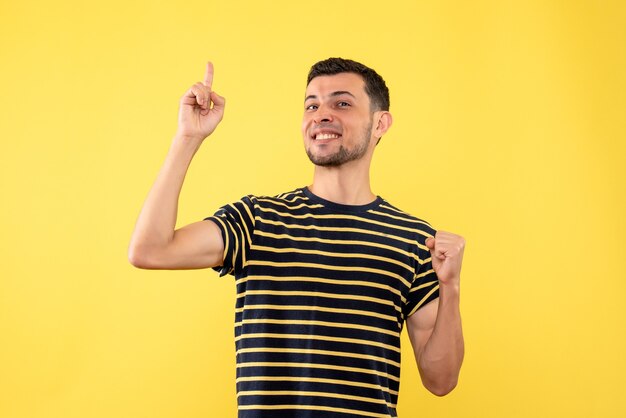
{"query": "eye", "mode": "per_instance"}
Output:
(343, 104)
(311, 107)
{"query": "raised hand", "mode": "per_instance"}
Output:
(446, 250)
(201, 109)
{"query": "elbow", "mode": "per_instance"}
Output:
(442, 388)
(139, 257)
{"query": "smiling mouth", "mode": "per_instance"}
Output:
(326, 136)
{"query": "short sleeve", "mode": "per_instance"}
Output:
(425, 286)
(236, 223)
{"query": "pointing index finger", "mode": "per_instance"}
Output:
(208, 77)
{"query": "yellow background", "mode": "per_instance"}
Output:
(509, 129)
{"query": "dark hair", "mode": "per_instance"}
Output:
(375, 86)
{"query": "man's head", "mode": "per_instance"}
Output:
(346, 112)
(375, 86)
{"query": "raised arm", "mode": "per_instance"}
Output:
(154, 243)
(435, 329)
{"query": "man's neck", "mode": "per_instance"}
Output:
(348, 184)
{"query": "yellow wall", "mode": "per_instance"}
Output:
(509, 129)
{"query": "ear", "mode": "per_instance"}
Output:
(383, 122)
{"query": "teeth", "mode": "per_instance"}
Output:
(326, 136)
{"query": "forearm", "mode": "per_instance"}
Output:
(442, 356)
(157, 219)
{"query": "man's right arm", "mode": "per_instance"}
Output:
(155, 244)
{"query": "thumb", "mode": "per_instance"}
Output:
(218, 101)
(430, 243)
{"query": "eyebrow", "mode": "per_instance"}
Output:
(333, 94)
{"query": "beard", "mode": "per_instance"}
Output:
(344, 155)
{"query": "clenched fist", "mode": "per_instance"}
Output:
(201, 109)
(446, 250)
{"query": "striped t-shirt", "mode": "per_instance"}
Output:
(323, 290)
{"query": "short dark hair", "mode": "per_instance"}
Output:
(375, 86)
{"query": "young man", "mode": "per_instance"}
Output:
(327, 274)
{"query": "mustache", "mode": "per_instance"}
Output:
(325, 126)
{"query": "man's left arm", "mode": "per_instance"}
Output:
(435, 329)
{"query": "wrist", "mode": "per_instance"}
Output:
(187, 138)
(450, 288)
(182, 149)
(186, 142)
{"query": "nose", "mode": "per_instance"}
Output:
(322, 116)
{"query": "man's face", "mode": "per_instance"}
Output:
(337, 122)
